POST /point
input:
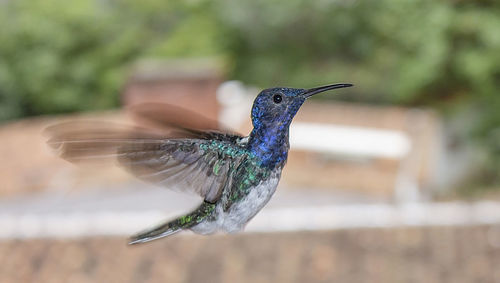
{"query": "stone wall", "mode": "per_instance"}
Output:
(425, 254)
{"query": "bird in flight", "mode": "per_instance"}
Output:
(235, 175)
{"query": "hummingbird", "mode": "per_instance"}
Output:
(235, 175)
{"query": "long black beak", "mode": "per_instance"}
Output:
(312, 91)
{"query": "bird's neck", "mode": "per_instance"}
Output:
(270, 145)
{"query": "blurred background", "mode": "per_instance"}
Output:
(394, 180)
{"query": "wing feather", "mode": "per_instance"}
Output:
(188, 163)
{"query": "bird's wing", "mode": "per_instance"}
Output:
(187, 160)
(167, 116)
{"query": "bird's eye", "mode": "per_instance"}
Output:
(277, 98)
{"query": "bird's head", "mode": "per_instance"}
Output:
(276, 107)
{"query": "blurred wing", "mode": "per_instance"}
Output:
(165, 116)
(183, 160)
(189, 164)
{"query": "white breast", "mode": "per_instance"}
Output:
(241, 212)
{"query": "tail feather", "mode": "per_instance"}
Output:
(158, 232)
(174, 226)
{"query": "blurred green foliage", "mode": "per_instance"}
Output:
(58, 56)
(410, 52)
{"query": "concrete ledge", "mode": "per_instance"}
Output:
(109, 221)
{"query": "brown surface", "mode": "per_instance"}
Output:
(439, 254)
(372, 177)
(191, 85)
(28, 165)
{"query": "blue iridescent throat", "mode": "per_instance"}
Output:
(270, 146)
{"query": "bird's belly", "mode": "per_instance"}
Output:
(239, 213)
(242, 211)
